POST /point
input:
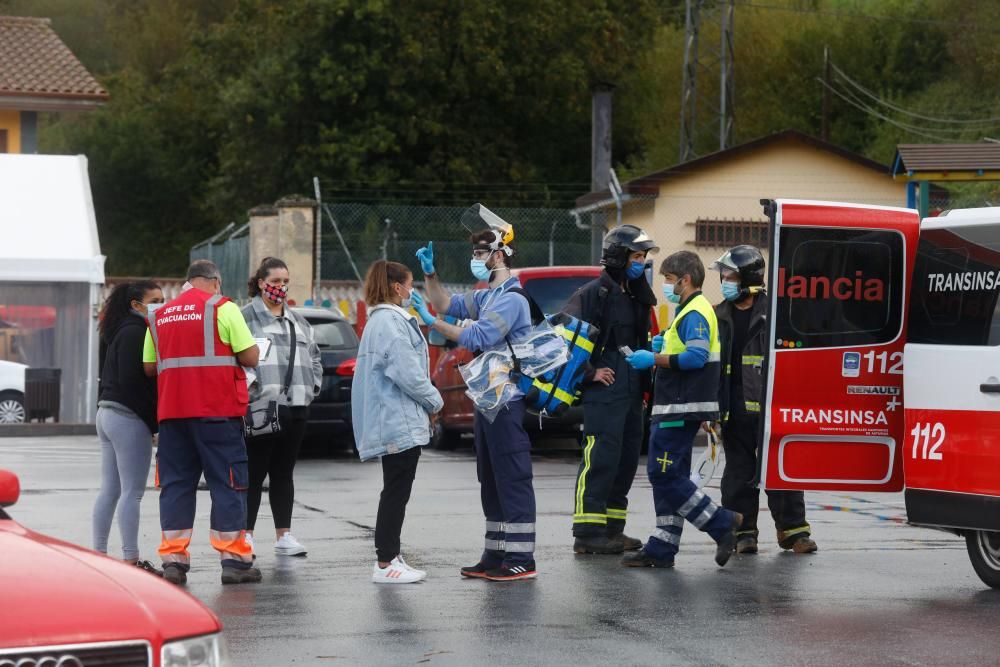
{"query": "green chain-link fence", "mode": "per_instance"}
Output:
(372, 231)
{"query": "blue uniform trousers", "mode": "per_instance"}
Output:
(503, 463)
(186, 449)
(675, 496)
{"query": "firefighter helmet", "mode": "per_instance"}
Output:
(745, 260)
(621, 242)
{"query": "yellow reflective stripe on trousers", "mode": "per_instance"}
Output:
(617, 514)
(581, 483)
(590, 518)
(785, 534)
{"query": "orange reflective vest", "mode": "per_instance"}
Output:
(197, 374)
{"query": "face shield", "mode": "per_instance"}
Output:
(477, 218)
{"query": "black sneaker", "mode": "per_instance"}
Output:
(628, 543)
(175, 574)
(512, 572)
(597, 544)
(725, 547)
(477, 571)
(148, 567)
(641, 558)
(236, 575)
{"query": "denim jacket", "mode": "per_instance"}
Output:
(392, 394)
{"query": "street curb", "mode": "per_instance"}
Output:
(45, 429)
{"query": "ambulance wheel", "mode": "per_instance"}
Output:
(984, 552)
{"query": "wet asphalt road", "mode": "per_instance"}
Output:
(878, 592)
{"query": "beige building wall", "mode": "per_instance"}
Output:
(732, 187)
(286, 231)
(10, 121)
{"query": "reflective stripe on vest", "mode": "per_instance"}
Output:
(751, 362)
(209, 358)
(698, 389)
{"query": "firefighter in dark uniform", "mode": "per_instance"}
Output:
(618, 303)
(743, 333)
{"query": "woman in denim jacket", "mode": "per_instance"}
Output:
(391, 400)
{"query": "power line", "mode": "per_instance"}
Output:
(983, 121)
(921, 128)
(903, 126)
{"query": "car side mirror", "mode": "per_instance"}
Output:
(10, 488)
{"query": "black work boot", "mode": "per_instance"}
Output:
(642, 558)
(746, 544)
(175, 574)
(801, 544)
(724, 548)
(597, 544)
(236, 575)
(628, 543)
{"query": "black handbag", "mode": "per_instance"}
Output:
(264, 420)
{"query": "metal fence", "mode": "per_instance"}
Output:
(356, 234)
(230, 250)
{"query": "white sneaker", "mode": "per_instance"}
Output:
(396, 573)
(399, 559)
(287, 545)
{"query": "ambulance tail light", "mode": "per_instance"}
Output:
(347, 368)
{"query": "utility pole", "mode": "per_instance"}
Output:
(689, 90)
(825, 132)
(600, 162)
(700, 62)
(726, 74)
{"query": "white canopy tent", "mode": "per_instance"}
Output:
(51, 270)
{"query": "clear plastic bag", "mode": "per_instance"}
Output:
(542, 350)
(488, 378)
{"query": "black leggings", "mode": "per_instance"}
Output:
(274, 456)
(398, 471)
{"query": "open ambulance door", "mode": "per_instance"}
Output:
(838, 289)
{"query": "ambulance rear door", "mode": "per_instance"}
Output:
(952, 377)
(833, 408)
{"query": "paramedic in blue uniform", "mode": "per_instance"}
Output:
(685, 393)
(618, 303)
(503, 450)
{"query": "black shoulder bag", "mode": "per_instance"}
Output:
(264, 420)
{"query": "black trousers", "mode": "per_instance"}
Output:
(788, 508)
(612, 441)
(398, 471)
(274, 456)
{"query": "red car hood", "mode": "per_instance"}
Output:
(53, 592)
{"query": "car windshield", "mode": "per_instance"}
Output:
(331, 334)
(551, 294)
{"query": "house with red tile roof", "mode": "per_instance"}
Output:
(38, 73)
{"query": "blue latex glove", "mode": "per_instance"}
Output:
(426, 257)
(658, 343)
(420, 306)
(640, 360)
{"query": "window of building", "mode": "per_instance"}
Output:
(711, 233)
(3, 141)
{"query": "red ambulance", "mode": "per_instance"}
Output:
(884, 367)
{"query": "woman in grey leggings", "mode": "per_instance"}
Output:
(126, 416)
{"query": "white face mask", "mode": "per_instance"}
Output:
(407, 300)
